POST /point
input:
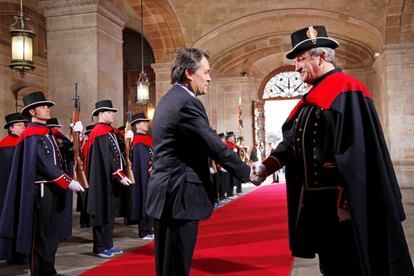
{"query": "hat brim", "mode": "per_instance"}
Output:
(25, 110)
(6, 126)
(139, 120)
(54, 125)
(103, 109)
(308, 44)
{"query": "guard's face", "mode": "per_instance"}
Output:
(17, 128)
(41, 112)
(142, 126)
(200, 79)
(308, 67)
(107, 117)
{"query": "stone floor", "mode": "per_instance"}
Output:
(75, 254)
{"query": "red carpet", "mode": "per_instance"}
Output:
(246, 237)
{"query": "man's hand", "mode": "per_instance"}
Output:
(343, 214)
(257, 180)
(75, 186)
(259, 169)
(77, 127)
(125, 181)
(129, 134)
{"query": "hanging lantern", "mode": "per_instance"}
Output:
(142, 89)
(21, 45)
(142, 83)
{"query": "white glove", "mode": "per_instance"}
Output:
(75, 186)
(125, 181)
(259, 169)
(78, 127)
(129, 134)
(211, 170)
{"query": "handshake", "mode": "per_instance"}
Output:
(258, 173)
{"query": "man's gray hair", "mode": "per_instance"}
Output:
(330, 53)
(186, 59)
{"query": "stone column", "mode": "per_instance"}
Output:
(222, 101)
(162, 79)
(84, 39)
(399, 72)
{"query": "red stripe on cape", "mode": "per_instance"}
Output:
(9, 141)
(325, 92)
(230, 145)
(33, 130)
(143, 139)
(98, 130)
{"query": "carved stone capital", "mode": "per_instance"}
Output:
(53, 8)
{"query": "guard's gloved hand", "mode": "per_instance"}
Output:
(125, 181)
(75, 186)
(129, 134)
(77, 127)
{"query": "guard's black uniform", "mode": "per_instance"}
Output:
(336, 157)
(33, 210)
(104, 170)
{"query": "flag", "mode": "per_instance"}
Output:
(240, 117)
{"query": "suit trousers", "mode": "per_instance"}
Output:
(48, 219)
(175, 241)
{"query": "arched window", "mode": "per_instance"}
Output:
(285, 85)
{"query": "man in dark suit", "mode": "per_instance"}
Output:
(180, 192)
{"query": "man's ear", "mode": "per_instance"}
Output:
(188, 74)
(322, 56)
(32, 112)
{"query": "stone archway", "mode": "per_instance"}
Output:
(161, 28)
(23, 91)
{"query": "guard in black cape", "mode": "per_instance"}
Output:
(222, 177)
(104, 170)
(233, 181)
(35, 198)
(344, 202)
(142, 154)
(66, 149)
(81, 197)
(15, 125)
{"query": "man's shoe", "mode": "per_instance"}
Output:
(105, 254)
(115, 251)
(148, 237)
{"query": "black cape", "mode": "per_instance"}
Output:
(141, 158)
(7, 147)
(369, 178)
(104, 196)
(16, 218)
(66, 149)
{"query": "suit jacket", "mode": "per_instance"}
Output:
(183, 144)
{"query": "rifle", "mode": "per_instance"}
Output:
(127, 150)
(78, 173)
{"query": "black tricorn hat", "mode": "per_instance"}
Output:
(34, 100)
(229, 134)
(88, 129)
(138, 117)
(309, 38)
(53, 122)
(104, 105)
(221, 135)
(13, 118)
